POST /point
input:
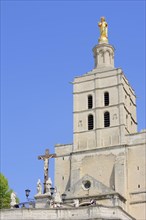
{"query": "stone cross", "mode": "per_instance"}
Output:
(46, 158)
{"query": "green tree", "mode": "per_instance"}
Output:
(5, 193)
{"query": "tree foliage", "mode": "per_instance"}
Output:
(5, 192)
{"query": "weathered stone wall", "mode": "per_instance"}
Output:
(136, 174)
(62, 167)
(121, 167)
(96, 213)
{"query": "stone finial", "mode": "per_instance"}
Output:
(103, 31)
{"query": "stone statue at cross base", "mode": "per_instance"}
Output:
(13, 199)
(56, 201)
(39, 187)
(48, 185)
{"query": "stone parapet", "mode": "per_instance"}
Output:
(90, 212)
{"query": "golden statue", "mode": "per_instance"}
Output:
(103, 31)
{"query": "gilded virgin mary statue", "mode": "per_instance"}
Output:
(103, 31)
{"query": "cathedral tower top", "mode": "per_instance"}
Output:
(103, 51)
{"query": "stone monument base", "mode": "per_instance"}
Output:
(42, 200)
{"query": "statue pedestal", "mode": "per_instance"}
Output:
(103, 56)
(42, 200)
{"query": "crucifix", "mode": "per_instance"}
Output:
(46, 158)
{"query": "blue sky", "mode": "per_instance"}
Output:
(44, 45)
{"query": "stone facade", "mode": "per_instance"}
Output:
(106, 150)
(121, 168)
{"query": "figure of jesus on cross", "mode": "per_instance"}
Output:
(46, 158)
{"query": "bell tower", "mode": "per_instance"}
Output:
(104, 102)
(106, 160)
